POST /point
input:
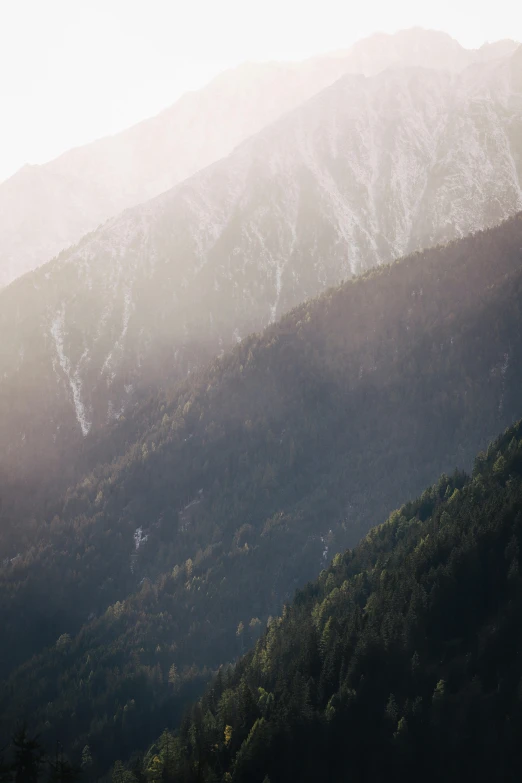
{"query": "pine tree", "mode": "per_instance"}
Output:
(61, 770)
(86, 758)
(227, 735)
(5, 771)
(122, 775)
(240, 635)
(28, 756)
(173, 675)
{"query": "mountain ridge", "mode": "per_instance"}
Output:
(47, 207)
(370, 168)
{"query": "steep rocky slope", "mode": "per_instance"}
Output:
(44, 209)
(367, 170)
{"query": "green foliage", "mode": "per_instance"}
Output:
(402, 658)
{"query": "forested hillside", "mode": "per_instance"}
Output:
(240, 485)
(402, 662)
(367, 170)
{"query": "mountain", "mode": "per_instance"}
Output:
(400, 662)
(239, 484)
(367, 170)
(422, 48)
(46, 208)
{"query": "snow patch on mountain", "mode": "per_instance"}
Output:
(73, 376)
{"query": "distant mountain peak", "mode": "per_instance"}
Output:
(49, 207)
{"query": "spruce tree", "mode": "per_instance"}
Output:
(28, 756)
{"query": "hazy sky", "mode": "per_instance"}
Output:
(74, 70)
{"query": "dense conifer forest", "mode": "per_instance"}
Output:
(402, 661)
(239, 485)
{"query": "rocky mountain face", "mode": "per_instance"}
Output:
(47, 208)
(367, 170)
(44, 209)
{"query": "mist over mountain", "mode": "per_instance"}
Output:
(275, 312)
(46, 208)
(239, 484)
(367, 170)
(422, 48)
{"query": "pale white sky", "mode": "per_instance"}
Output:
(74, 70)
